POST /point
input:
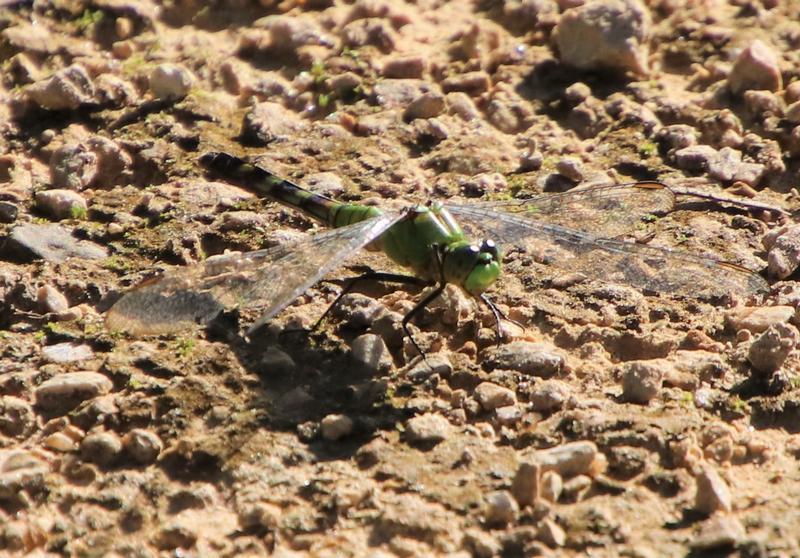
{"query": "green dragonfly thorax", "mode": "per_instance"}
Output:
(414, 241)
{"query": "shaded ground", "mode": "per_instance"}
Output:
(678, 437)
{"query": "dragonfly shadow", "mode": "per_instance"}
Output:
(305, 377)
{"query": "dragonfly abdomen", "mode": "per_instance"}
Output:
(264, 183)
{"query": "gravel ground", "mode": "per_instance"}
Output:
(615, 422)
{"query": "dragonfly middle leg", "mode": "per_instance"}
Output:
(498, 315)
(371, 276)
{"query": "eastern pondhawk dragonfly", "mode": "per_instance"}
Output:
(580, 230)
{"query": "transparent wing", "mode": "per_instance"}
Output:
(648, 267)
(609, 210)
(266, 279)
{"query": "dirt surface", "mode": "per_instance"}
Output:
(614, 422)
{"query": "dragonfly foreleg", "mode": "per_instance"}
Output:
(498, 315)
(371, 276)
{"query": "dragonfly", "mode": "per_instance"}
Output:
(581, 230)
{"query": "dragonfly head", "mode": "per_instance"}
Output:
(475, 267)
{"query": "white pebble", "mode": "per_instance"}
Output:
(170, 81)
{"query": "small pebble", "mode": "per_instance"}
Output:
(67, 89)
(719, 532)
(8, 212)
(335, 427)
(758, 319)
(552, 534)
(756, 67)
(549, 396)
(695, 158)
(769, 350)
(551, 486)
(570, 167)
(568, 460)
(58, 441)
(526, 484)
(73, 166)
(144, 446)
(501, 508)
(20, 470)
(507, 415)
(175, 537)
(605, 34)
(371, 351)
(16, 416)
(783, 257)
(472, 83)
(536, 359)
(407, 67)
(71, 388)
(713, 493)
(428, 428)
(170, 81)
(101, 447)
(641, 380)
(66, 352)
(491, 396)
(427, 105)
(51, 300)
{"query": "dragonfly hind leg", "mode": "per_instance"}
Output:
(370, 276)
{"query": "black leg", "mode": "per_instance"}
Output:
(498, 314)
(416, 310)
(371, 276)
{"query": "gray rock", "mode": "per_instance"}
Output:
(62, 204)
(568, 460)
(605, 34)
(370, 350)
(144, 446)
(641, 379)
(758, 319)
(267, 122)
(66, 352)
(570, 167)
(526, 484)
(536, 359)
(770, 349)
(20, 470)
(334, 427)
(71, 388)
(501, 508)
(8, 212)
(358, 310)
(491, 396)
(718, 532)
(677, 136)
(756, 67)
(404, 67)
(551, 486)
(67, 89)
(427, 105)
(50, 300)
(17, 418)
(549, 396)
(783, 257)
(170, 81)
(51, 242)
(695, 158)
(552, 534)
(73, 166)
(712, 493)
(101, 447)
(428, 428)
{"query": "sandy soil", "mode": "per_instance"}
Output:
(615, 422)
